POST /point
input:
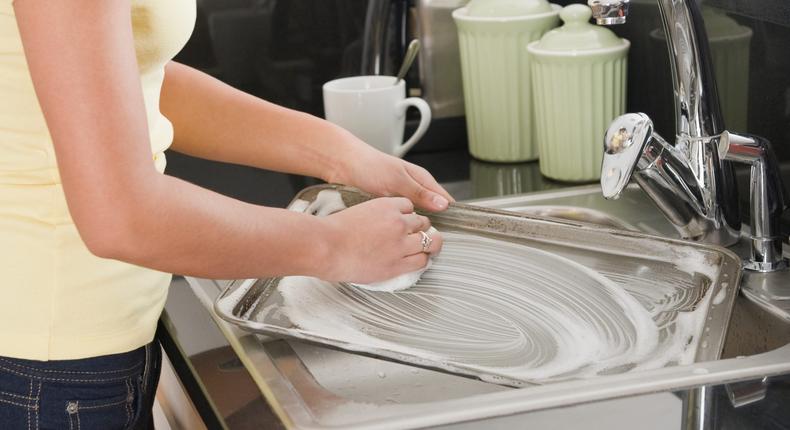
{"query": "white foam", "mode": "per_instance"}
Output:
(505, 310)
(326, 203)
(298, 205)
(512, 313)
(398, 283)
(721, 295)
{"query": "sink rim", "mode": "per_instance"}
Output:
(287, 400)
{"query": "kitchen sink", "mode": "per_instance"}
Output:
(312, 386)
(753, 328)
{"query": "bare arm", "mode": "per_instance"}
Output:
(215, 121)
(86, 81)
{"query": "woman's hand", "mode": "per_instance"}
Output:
(376, 240)
(381, 174)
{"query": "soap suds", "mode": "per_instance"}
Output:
(721, 295)
(298, 205)
(511, 314)
(505, 310)
(326, 203)
(398, 283)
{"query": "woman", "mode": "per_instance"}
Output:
(90, 227)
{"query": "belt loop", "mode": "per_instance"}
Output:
(146, 367)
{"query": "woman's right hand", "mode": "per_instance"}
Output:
(377, 240)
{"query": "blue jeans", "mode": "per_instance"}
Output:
(108, 392)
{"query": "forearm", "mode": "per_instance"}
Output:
(174, 226)
(215, 121)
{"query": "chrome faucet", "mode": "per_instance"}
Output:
(693, 181)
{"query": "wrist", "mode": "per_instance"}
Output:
(323, 249)
(346, 150)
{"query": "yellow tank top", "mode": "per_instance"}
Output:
(57, 300)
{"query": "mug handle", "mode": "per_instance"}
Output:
(425, 120)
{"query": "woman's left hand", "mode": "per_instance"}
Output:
(384, 175)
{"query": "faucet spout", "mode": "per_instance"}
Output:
(688, 179)
(632, 149)
(609, 12)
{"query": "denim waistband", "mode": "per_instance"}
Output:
(106, 368)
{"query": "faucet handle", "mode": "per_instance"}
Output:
(609, 12)
(626, 139)
(768, 198)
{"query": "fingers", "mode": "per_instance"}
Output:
(414, 262)
(415, 243)
(427, 180)
(416, 223)
(425, 191)
(403, 204)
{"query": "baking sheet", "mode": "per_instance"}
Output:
(514, 300)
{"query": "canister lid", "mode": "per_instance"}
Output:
(507, 8)
(577, 34)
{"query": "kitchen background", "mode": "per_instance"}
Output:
(284, 50)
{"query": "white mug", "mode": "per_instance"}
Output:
(373, 109)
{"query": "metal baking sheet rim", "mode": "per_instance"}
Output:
(711, 342)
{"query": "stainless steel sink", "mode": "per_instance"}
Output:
(753, 328)
(315, 387)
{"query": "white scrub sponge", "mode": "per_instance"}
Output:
(398, 283)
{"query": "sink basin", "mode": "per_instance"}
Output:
(753, 328)
(312, 386)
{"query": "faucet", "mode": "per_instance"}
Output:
(692, 181)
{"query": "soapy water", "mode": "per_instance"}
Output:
(502, 309)
(508, 313)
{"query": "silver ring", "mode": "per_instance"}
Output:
(426, 241)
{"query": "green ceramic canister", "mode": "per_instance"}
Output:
(492, 36)
(579, 87)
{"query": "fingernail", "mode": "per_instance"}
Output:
(440, 202)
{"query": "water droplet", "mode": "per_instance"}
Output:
(382, 375)
(704, 343)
